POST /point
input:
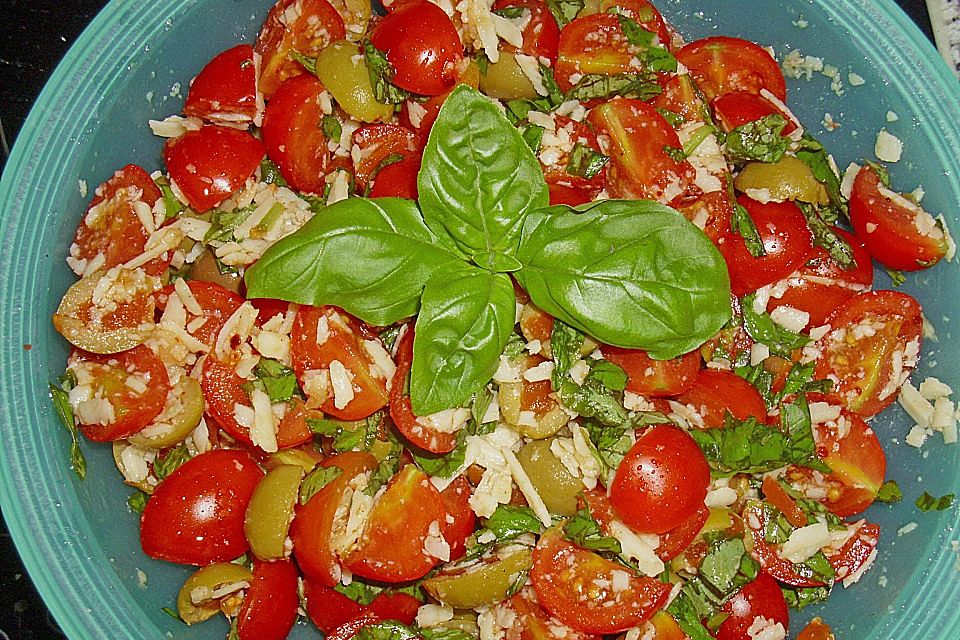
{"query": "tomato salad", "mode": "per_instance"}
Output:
(522, 320)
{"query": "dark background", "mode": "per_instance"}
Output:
(34, 35)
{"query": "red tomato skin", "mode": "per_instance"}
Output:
(398, 180)
(353, 627)
(293, 136)
(722, 391)
(677, 540)
(278, 39)
(422, 44)
(863, 367)
(269, 609)
(377, 142)
(541, 36)
(196, 514)
(655, 378)
(661, 482)
(717, 207)
(592, 44)
(217, 302)
(227, 85)
(786, 239)
(810, 289)
(456, 499)
(561, 194)
(857, 551)
(329, 609)
(639, 167)
(767, 555)
(395, 606)
(736, 109)
(888, 229)
(132, 411)
(721, 65)
(762, 597)
(130, 176)
(681, 96)
(211, 163)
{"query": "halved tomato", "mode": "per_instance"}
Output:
(462, 521)
(293, 134)
(760, 599)
(594, 44)
(122, 393)
(786, 240)
(677, 540)
(738, 108)
(768, 555)
(312, 527)
(210, 163)
(654, 378)
(640, 167)
(225, 90)
(716, 393)
(722, 65)
(711, 212)
(541, 36)
(329, 609)
(269, 609)
(302, 26)
(588, 592)
(405, 526)
(873, 346)
(896, 231)
(642, 12)
(326, 346)
(216, 303)
(377, 143)
(112, 233)
(521, 617)
(398, 180)
(857, 553)
(681, 96)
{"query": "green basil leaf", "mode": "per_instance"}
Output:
(628, 85)
(565, 343)
(800, 598)
(813, 154)
(279, 382)
(927, 502)
(889, 492)
(381, 76)
(466, 318)
(137, 501)
(385, 470)
(270, 173)
(633, 274)
(585, 162)
(479, 178)
(760, 140)
(331, 127)
(583, 531)
(370, 257)
(897, 278)
(763, 329)
(510, 13)
(387, 630)
(61, 404)
(439, 633)
(308, 63)
(316, 480)
(826, 237)
(171, 461)
(565, 11)
(689, 611)
(742, 224)
(533, 136)
(510, 521)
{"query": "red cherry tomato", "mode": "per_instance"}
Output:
(778, 497)
(210, 163)
(223, 389)
(677, 540)
(897, 232)
(521, 617)
(820, 286)
(874, 343)
(196, 514)
(422, 44)
(557, 171)
(661, 482)
(541, 36)
(418, 432)
(307, 32)
(329, 609)
(268, 308)
(736, 109)
(111, 226)
(396, 606)
(456, 499)
(394, 546)
(640, 167)
(293, 136)
(134, 382)
(397, 180)
(712, 211)
(225, 90)
(655, 378)
(643, 13)
(576, 586)
(344, 343)
(378, 143)
(572, 197)
(768, 555)
(715, 393)
(786, 240)
(681, 96)
(216, 302)
(858, 551)
(352, 628)
(761, 598)
(722, 65)
(312, 527)
(269, 609)
(594, 44)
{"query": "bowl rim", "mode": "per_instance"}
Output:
(82, 622)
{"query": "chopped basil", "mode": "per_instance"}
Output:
(743, 225)
(656, 58)
(628, 85)
(883, 174)
(173, 614)
(278, 381)
(61, 404)
(439, 633)
(137, 501)
(510, 13)
(384, 470)
(381, 76)
(510, 521)
(533, 136)
(764, 330)
(316, 480)
(927, 502)
(308, 63)
(388, 630)
(759, 141)
(690, 609)
(270, 173)
(826, 237)
(565, 11)
(565, 344)
(889, 492)
(585, 162)
(813, 154)
(171, 461)
(172, 207)
(801, 597)
(727, 566)
(393, 158)
(332, 128)
(583, 531)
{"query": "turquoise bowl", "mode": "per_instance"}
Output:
(134, 62)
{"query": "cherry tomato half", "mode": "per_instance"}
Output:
(225, 90)
(216, 302)
(721, 65)
(293, 136)
(655, 378)
(269, 609)
(541, 36)
(714, 393)
(196, 514)
(761, 598)
(738, 108)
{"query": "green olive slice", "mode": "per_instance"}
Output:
(198, 598)
(180, 416)
(505, 80)
(270, 511)
(788, 179)
(552, 480)
(481, 585)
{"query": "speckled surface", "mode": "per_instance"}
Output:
(35, 35)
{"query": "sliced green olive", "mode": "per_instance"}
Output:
(355, 12)
(481, 585)
(197, 599)
(788, 179)
(509, 397)
(123, 465)
(270, 511)
(207, 270)
(555, 484)
(72, 318)
(295, 457)
(343, 73)
(180, 416)
(461, 621)
(505, 80)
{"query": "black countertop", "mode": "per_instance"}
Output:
(35, 35)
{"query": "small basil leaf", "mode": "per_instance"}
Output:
(633, 274)
(627, 85)
(763, 329)
(565, 11)
(760, 140)
(479, 178)
(813, 154)
(370, 257)
(466, 318)
(826, 237)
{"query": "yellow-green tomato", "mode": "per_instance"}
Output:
(505, 80)
(555, 484)
(788, 179)
(343, 73)
(200, 596)
(180, 416)
(481, 585)
(270, 511)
